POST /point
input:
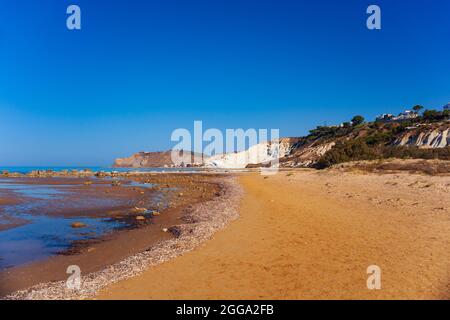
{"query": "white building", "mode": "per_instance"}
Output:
(406, 115)
(385, 117)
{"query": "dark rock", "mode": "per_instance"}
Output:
(175, 230)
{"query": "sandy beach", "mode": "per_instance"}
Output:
(309, 234)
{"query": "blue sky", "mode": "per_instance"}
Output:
(140, 69)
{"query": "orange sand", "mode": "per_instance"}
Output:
(312, 235)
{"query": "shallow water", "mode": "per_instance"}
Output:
(44, 236)
(33, 191)
(40, 236)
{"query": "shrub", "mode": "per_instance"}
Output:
(359, 150)
(433, 115)
(379, 138)
(344, 151)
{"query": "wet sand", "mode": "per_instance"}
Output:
(312, 235)
(6, 221)
(82, 199)
(181, 192)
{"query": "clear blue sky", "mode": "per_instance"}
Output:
(139, 69)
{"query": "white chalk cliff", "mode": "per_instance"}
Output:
(435, 138)
(264, 152)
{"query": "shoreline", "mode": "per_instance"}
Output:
(193, 224)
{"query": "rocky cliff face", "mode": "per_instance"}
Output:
(299, 152)
(425, 138)
(291, 153)
(307, 155)
(155, 160)
(144, 159)
(261, 153)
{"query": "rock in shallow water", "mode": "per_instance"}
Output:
(78, 225)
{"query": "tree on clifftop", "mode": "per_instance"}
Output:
(357, 120)
(417, 108)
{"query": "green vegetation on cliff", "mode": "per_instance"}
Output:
(357, 140)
